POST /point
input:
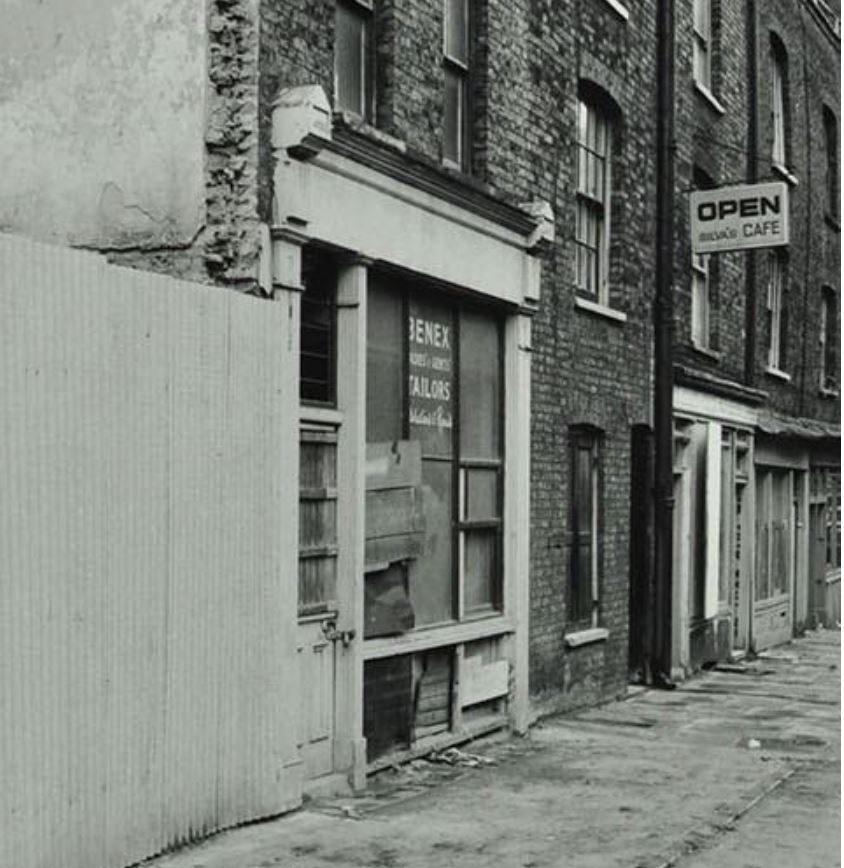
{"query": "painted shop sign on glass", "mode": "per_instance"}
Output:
(739, 218)
(430, 386)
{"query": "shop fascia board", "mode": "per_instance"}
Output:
(335, 200)
(705, 406)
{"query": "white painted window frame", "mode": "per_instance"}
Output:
(701, 309)
(778, 144)
(459, 67)
(702, 44)
(774, 307)
(365, 10)
(587, 204)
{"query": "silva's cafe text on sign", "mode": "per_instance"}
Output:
(739, 218)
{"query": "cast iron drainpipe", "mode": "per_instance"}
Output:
(664, 345)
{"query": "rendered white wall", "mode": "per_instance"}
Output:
(102, 108)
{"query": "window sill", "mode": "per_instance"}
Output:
(360, 125)
(832, 222)
(828, 393)
(320, 415)
(438, 636)
(586, 637)
(778, 374)
(600, 309)
(710, 97)
(619, 8)
(706, 351)
(784, 173)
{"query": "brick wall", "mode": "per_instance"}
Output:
(718, 143)
(711, 138)
(529, 57)
(587, 368)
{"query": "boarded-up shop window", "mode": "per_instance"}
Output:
(387, 704)
(317, 521)
(434, 384)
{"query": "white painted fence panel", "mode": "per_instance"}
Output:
(148, 569)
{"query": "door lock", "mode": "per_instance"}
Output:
(330, 631)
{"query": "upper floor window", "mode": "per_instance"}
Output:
(833, 191)
(828, 339)
(779, 104)
(354, 58)
(776, 312)
(703, 43)
(704, 273)
(456, 63)
(594, 196)
(701, 312)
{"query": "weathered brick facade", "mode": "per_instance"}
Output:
(718, 142)
(528, 58)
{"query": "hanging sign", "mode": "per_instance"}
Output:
(430, 387)
(739, 218)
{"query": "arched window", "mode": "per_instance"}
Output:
(830, 125)
(585, 555)
(779, 103)
(597, 122)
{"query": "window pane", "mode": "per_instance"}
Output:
(762, 535)
(431, 376)
(453, 117)
(700, 307)
(480, 386)
(349, 59)
(431, 581)
(386, 608)
(384, 364)
(481, 494)
(778, 111)
(480, 569)
(317, 332)
(456, 30)
(702, 17)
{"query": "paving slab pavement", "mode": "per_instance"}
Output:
(736, 768)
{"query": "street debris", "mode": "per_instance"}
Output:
(754, 744)
(453, 756)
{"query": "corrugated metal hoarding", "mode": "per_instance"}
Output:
(147, 560)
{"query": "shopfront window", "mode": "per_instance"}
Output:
(434, 391)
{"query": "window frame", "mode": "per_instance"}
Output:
(827, 339)
(775, 307)
(318, 267)
(364, 11)
(598, 210)
(461, 465)
(702, 43)
(833, 191)
(460, 68)
(701, 302)
(779, 105)
(589, 439)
